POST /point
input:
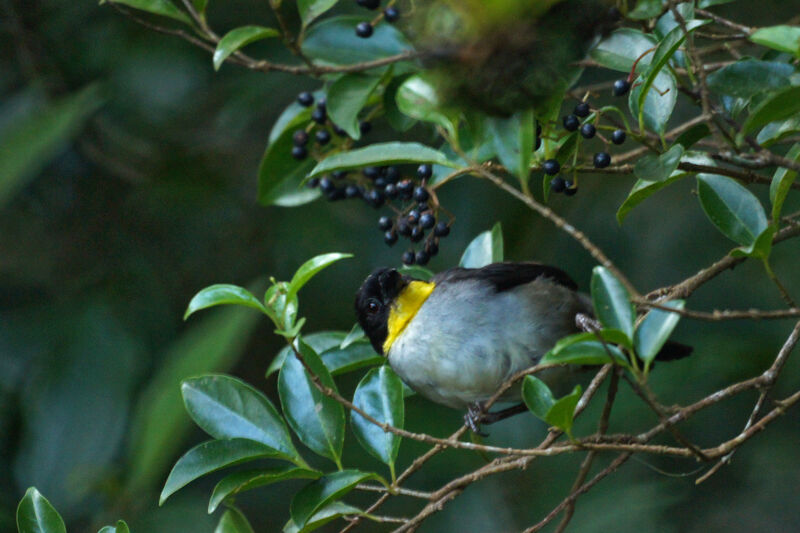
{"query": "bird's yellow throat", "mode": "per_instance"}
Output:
(404, 308)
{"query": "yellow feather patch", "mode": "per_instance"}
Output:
(405, 307)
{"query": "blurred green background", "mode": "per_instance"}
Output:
(127, 183)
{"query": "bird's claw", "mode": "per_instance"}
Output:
(473, 418)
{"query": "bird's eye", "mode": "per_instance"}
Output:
(373, 306)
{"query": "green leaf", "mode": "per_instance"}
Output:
(228, 408)
(749, 77)
(319, 342)
(238, 38)
(397, 120)
(318, 420)
(731, 208)
(777, 106)
(357, 355)
(658, 103)
(562, 413)
(612, 303)
(330, 512)
(200, 6)
(211, 456)
(311, 9)
(645, 9)
(782, 182)
(654, 330)
(280, 175)
(245, 480)
(537, 396)
(666, 22)
(121, 527)
(391, 153)
(311, 268)
(484, 249)
(36, 515)
(658, 167)
(782, 38)
(514, 141)
(294, 116)
(416, 271)
(585, 349)
(690, 137)
(223, 294)
(380, 395)
(778, 130)
(323, 491)
(31, 142)
(165, 8)
(356, 333)
(233, 521)
(418, 98)
(703, 4)
(760, 248)
(347, 96)
(622, 48)
(333, 42)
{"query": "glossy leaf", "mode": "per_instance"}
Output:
(380, 395)
(36, 515)
(227, 408)
(562, 413)
(320, 342)
(358, 354)
(165, 8)
(760, 248)
(245, 480)
(778, 130)
(396, 119)
(703, 4)
(317, 419)
(238, 38)
(654, 330)
(311, 9)
(731, 208)
(419, 98)
(658, 167)
(356, 333)
(666, 22)
(390, 153)
(514, 141)
(416, 271)
(612, 303)
(311, 268)
(777, 106)
(658, 103)
(293, 117)
(223, 294)
(120, 527)
(233, 521)
(690, 137)
(280, 175)
(484, 249)
(323, 491)
(347, 96)
(584, 349)
(210, 456)
(31, 142)
(782, 181)
(645, 9)
(749, 77)
(622, 48)
(330, 512)
(537, 396)
(334, 42)
(782, 38)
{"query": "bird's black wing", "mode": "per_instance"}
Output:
(505, 276)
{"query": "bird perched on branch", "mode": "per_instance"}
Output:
(457, 338)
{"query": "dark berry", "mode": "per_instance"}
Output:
(339, 174)
(352, 191)
(427, 220)
(557, 184)
(326, 185)
(422, 257)
(319, 116)
(417, 234)
(323, 137)
(602, 159)
(390, 190)
(364, 30)
(422, 206)
(441, 229)
(571, 189)
(338, 193)
(620, 87)
(582, 110)
(405, 188)
(588, 130)
(391, 14)
(408, 257)
(385, 223)
(313, 183)
(432, 247)
(339, 131)
(322, 103)
(375, 198)
(413, 217)
(300, 138)
(299, 152)
(618, 137)
(424, 171)
(305, 99)
(551, 167)
(571, 122)
(369, 4)
(392, 174)
(614, 14)
(380, 182)
(421, 194)
(403, 228)
(364, 127)
(390, 237)
(371, 172)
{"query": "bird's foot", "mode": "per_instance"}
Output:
(473, 418)
(587, 323)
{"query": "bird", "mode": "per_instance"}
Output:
(456, 338)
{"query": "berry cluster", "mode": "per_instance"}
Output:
(319, 126)
(415, 212)
(588, 130)
(365, 29)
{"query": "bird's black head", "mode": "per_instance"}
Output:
(373, 303)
